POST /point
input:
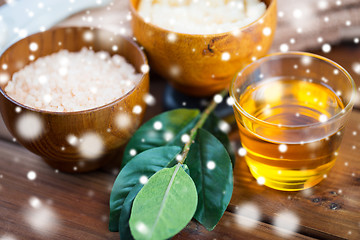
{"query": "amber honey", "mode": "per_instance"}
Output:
(289, 145)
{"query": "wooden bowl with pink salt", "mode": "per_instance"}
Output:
(73, 96)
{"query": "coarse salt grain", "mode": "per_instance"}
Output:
(201, 17)
(112, 77)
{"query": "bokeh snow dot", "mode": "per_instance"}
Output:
(306, 60)
(132, 152)
(225, 56)
(123, 120)
(115, 48)
(142, 228)
(247, 215)
(230, 101)
(91, 145)
(72, 140)
(158, 125)
(145, 68)
(284, 47)
(267, 31)
(143, 180)
(168, 136)
(323, 118)
(326, 48)
(356, 67)
(179, 157)
(31, 175)
(185, 138)
(283, 148)
(211, 165)
(22, 33)
(297, 13)
(34, 202)
(7, 237)
(33, 46)
(286, 220)
(261, 180)
(218, 98)
(42, 219)
(172, 37)
(149, 99)
(88, 36)
(242, 152)
(323, 4)
(137, 109)
(29, 126)
(174, 70)
(236, 32)
(4, 78)
(224, 126)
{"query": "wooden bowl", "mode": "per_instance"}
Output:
(60, 140)
(193, 62)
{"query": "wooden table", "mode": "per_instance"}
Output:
(77, 204)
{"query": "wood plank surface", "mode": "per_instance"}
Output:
(348, 56)
(229, 229)
(79, 203)
(61, 206)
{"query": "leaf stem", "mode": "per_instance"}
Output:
(205, 114)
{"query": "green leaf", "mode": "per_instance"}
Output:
(124, 228)
(144, 164)
(211, 169)
(164, 206)
(212, 126)
(175, 123)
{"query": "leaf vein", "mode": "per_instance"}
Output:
(203, 179)
(164, 199)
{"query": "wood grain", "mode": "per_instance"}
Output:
(228, 229)
(347, 56)
(80, 202)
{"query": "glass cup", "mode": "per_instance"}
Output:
(291, 109)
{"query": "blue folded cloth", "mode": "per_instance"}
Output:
(20, 18)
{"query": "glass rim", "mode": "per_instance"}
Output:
(338, 115)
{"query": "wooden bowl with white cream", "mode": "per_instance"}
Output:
(201, 64)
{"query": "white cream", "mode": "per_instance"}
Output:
(200, 16)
